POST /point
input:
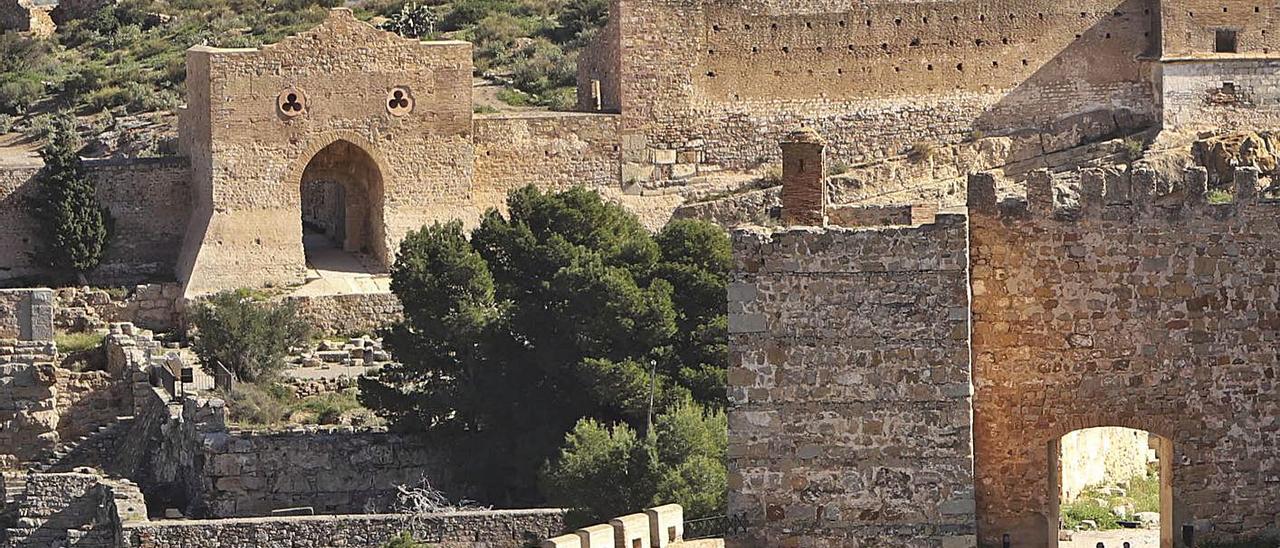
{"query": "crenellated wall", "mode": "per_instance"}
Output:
(1145, 306)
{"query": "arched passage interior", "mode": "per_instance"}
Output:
(342, 210)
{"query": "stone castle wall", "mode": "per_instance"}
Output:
(849, 376)
(148, 203)
(1145, 308)
(549, 150)
(348, 314)
(1222, 94)
(1189, 26)
(720, 82)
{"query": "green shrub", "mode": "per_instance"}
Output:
(413, 20)
(404, 540)
(514, 98)
(253, 405)
(609, 471)
(249, 337)
(78, 342)
(1088, 508)
(328, 408)
(1218, 196)
(1134, 147)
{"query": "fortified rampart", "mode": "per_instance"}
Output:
(717, 83)
(148, 204)
(1129, 300)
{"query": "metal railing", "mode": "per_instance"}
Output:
(715, 527)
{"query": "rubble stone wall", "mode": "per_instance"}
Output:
(479, 529)
(148, 203)
(850, 406)
(149, 306)
(1147, 308)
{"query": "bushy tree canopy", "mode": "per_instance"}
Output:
(249, 337)
(73, 223)
(603, 472)
(561, 310)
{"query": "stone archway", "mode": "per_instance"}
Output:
(342, 195)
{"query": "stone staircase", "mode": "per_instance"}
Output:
(93, 449)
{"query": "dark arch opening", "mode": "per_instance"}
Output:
(342, 210)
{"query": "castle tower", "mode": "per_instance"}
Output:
(804, 188)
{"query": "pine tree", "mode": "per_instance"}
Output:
(74, 225)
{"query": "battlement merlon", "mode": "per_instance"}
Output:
(1121, 194)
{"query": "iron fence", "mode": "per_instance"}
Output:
(715, 527)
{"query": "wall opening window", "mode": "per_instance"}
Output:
(1225, 41)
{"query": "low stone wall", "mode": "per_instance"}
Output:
(334, 470)
(26, 314)
(348, 314)
(150, 306)
(480, 529)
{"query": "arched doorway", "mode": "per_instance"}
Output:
(342, 211)
(1104, 485)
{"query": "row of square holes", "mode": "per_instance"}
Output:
(929, 67)
(925, 19)
(915, 43)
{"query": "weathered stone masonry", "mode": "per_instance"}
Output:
(1144, 307)
(850, 419)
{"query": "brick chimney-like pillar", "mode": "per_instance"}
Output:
(804, 186)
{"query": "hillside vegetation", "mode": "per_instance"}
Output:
(128, 58)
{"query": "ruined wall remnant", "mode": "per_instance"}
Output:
(27, 16)
(26, 314)
(849, 386)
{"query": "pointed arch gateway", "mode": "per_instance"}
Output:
(342, 194)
